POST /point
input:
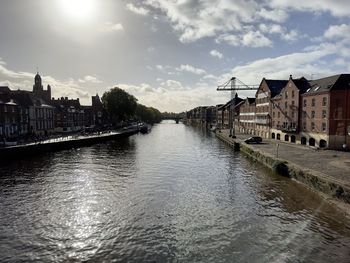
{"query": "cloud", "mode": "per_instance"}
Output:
(250, 39)
(337, 31)
(175, 99)
(339, 8)
(172, 85)
(276, 15)
(194, 20)
(215, 53)
(191, 69)
(198, 19)
(299, 64)
(256, 39)
(111, 27)
(137, 10)
(290, 36)
(90, 79)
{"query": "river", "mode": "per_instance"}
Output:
(177, 194)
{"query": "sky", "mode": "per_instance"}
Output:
(170, 54)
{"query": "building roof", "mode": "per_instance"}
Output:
(65, 102)
(251, 100)
(4, 90)
(275, 85)
(302, 84)
(340, 81)
(24, 98)
(236, 100)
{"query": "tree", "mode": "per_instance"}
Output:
(148, 114)
(119, 104)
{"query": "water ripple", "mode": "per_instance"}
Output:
(174, 195)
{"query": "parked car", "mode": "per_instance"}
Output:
(254, 139)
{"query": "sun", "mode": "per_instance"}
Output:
(77, 9)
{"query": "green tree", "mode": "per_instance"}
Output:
(148, 114)
(119, 104)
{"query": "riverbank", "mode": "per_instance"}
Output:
(63, 143)
(325, 171)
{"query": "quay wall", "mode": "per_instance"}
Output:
(320, 182)
(16, 152)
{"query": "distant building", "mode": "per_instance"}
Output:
(220, 111)
(246, 121)
(95, 115)
(69, 115)
(9, 115)
(38, 90)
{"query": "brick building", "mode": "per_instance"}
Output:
(267, 90)
(326, 112)
(69, 115)
(286, 111)
(246, 120)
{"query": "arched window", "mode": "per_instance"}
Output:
(278, 136)
(312, 142)
(292, 139)
(303, 140)
(273, 136)
(286, 138)
(323, 144)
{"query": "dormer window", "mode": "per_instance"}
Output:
(316, 89)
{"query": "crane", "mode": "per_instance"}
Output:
(234, 85)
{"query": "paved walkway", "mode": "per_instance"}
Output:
(335, 164)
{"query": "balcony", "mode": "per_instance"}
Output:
(289, 128)
(261, 121)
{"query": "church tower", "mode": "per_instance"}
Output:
(38, 86)
(38, 89)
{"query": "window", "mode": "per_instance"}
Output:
(324, 101)
(324, 114)
(293, 114)
(324, 126)
(305, 103)
(292, 93)
(313, 102)
(273, 114)
(304, 126)
(285, 105)
(293, 103)
(312, 126)
(278, 114)
(312, 114)
(304, 114)
(286, 95)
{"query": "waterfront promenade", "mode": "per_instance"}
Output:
(326, 166)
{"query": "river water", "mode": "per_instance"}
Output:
(177, 194)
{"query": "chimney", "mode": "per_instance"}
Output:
(290, 76)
